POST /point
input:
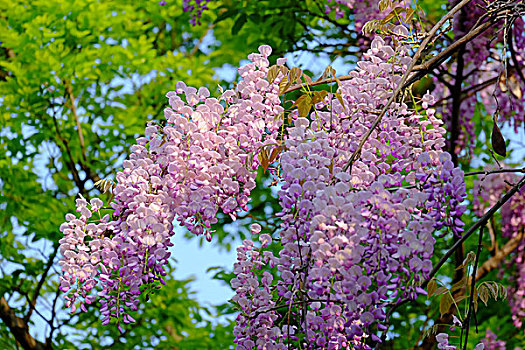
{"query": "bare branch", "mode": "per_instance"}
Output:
(481, 222)
(404, 83)
(497, 171)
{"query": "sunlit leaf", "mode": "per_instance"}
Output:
(483, 293)
(275, 153)
(284, 85)
(263, 158)
(304, 105)
(514, 86)
(445, 303)
(318, 96)
(431, 288)
(294, 75)
(273, 72)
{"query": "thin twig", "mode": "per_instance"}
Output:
(500, 255)
(481, 222)
(466, 322)
(32, 302)
(470, 91)
(69, 90)
(201, 39)
(480, 172)
(497, 171)
(424, 68)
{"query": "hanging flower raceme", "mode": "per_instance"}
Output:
(195, 8)
(200, 162)
(351, 243)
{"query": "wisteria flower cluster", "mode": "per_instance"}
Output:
(492, 342)
(350, 242)
(200, 162)
(443, 343)
(338, 7)
(84, 251)
(196, 8)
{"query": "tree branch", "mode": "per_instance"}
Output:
(403, 83)
(69, 90)
(481, 222)
(423, 69)
(466, 322)
(18, 327)
(495, 261)
(43, 277)
(497, 171)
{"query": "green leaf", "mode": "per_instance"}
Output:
(241, 20)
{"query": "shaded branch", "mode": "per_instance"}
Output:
(466, 323)
(456, 104)
(201, 39)
(482, 222)
(497, 171)
(495, 261)
(423, 69)
(69, 162)
(403, 83)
